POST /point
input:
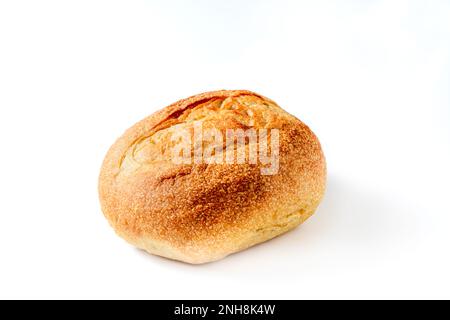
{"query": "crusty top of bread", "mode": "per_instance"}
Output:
(145, 194)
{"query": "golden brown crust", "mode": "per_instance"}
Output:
(203, 212)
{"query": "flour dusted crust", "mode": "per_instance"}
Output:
(203, 212)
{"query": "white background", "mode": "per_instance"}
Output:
(371, 78)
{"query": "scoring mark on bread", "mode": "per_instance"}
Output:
(238, 111)
(175, 173)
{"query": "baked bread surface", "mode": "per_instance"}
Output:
(201, 212)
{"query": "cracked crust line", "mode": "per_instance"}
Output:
(181, 117)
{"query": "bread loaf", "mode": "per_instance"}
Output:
(211, 175)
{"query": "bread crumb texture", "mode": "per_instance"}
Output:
(202, 212)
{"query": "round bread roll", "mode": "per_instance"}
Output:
(195, 197)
